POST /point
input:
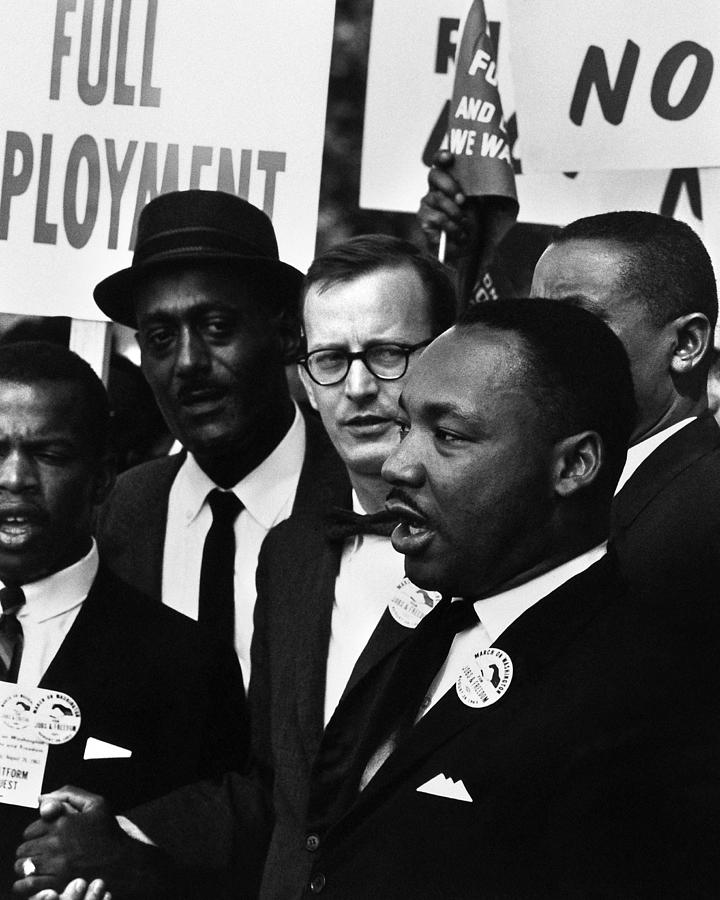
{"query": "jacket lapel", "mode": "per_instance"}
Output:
(672, 457)
(531, 642)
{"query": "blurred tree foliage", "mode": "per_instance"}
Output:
(340, 215)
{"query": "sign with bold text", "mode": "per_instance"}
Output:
(617, 85)
(397, 149)
(107, 103)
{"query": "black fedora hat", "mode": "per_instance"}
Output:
(199, 226)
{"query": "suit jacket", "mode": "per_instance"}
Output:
(131, 524)
(666, 519)
(594, 775)
(148, 680)
(296, 576)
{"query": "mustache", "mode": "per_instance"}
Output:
(400, 495)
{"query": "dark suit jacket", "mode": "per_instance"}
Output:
(296, 590)
(146, 679)
(595, 775)
(666, 519)
(131, 524)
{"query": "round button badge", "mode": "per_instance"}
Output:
(410, 604)
(485, 678)
(57, 717)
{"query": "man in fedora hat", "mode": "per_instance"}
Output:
(215, 313)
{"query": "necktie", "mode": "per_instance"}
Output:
(341, 524)
(216, 608)
(11, 633)
(392, 715)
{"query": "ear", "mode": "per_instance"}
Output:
(577, 461)
(309, 385)
(693, 335)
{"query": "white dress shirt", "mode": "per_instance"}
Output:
(51, 606)
(370, 570)
(267, 494)
(638, 453)
(497, 613)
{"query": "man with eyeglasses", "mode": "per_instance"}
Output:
(333, 602)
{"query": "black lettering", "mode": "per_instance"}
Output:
(201, 157)
(271, 162)
(594, 71)
(446, 46)
(45, 232)
(14, 183)
(124, 93)
(696, 89)
(92, 94)
(226, 176)
(61, 45)
(147, 184)
(149, 95)
(679, 179)
(78, 231)
(118, 180)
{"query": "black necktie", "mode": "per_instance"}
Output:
(11, 633)
(341, 524)
(393, 712)
(216, 607)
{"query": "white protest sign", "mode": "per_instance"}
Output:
(409, 82)
(107, 103)
(617, 85)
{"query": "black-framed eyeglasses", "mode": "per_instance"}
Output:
(385, 361)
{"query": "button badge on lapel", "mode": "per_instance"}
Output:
(410, 604)
(485, 678)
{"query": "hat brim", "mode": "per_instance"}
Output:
(278, 282)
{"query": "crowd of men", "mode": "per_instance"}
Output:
(454, 616)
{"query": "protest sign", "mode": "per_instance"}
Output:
(106, 104)
(409, 85)
(616, 85)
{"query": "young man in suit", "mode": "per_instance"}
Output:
(543, 732)
(651, 280)
(147, 700)
(215, 313)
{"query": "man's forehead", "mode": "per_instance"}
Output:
(464, 367)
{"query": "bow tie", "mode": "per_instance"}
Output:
(341, 524)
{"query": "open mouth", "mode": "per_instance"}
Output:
(367, 423)
(414, 533)
(17, 528)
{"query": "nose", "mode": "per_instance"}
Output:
(403, 468)
(192, 354)
(17, 472)
(360, 383)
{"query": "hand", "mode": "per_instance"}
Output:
(76, 836)
(446, 208)
(77, 890)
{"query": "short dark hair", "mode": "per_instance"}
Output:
(367, 253)
(667, 266)
(576, 368)
(31, 362)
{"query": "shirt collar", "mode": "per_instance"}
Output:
(499, 611)
(638, 453)
(61, 591)
(264, 492)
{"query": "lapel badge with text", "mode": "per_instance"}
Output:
(485, 678)
(410, 604)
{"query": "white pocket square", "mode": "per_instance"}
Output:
(442, 786)
(96, 749)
